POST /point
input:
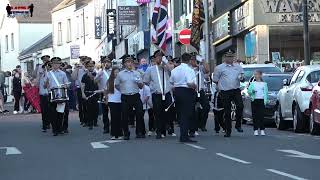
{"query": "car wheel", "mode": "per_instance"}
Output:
(314, 126)
(299, 120)
(279, 121)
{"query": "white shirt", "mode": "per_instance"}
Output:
(146, 92)
(182, 75)
(259, 89)
(115, 97)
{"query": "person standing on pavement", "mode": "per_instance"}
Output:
(157, 77)
(16, 90)
(89, 88)
(146, 98)
(102, 79)
(43, 92)
(258, 91)
(57, 79)
(77, 75)
(183, 80)
(129, 82)
(228, 76)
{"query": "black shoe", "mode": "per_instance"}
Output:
(158, 136)
(126, 138)
(66, 131)
(240, 130)
(217, 132)
(227, 135)
(106, 131)
(90, 128)
(203, 129)
(141, 136)
(188, 141)
(61, 132)
(55, 134)
(191, 135)
(82, 123)
(44, 130)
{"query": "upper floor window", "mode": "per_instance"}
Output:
(12, 41)
(69, 30)
(59, 33)
(7, 43)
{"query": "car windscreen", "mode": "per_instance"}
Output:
(314, 77)
(248, 72)
(275, 83)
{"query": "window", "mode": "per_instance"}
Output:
(69, 30)
(12, 42)
(300, 76)
(87, 30)
(295, 76)
(78, 27)
(7, 43)
(59, 33)
(81, 25)
(314, 77)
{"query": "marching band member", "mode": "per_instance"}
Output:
(228, 76)
(57, 79)
(157, 77)
(128, 82)
(88, 87)
(77, 75)
(102, 78)
(43, 92)
(146, 98)
(183, 80)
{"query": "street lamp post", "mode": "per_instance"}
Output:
(306, 33)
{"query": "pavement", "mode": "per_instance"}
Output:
(90, 155)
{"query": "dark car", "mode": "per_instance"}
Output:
(275, 83)
(264, 68)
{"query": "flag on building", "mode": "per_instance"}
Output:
(159, 24)
(198, 18)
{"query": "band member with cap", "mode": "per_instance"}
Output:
(157, 77)
(228, 76)
(77, 75)
(183, 80)
(129, 82)
(89, 88)
(102, 79)
(57, 79)
(43, 92)
(201, 69)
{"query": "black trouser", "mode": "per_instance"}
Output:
(132, 116)
(258, 110)
(204, 111)
(105, 116)
(129, 102)
(185, 100)
(44, 105)
(115, 111)
(27, 103)
(80, 105)
(218, 112)
(227, 97)
(151, 123)
(58, 120)
(91, 111)
(17, 96)
(161, 116)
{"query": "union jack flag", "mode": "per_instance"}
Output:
(159, 24)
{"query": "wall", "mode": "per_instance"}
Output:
(31, 33)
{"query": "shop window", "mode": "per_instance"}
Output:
(7, 43)
(12, 41)
(69, 30)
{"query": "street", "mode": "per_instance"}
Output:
(82, 155)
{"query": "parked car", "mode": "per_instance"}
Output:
(314, 123)
(264, 68)
(293, 100)
(275, 83)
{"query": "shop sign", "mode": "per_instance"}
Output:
(128, 15)
(290, 11)
(243, 17)
(221, 28)
(75, 51)
(97, 27)
(111, 23)
(136, 43)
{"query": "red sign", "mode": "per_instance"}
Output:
(185, 36)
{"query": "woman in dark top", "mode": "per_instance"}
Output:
(16, 90)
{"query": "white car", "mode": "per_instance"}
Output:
(294, 99)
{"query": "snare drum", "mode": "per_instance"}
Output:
(59, 95)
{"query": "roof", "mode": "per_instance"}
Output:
(43, 43)
(257, 65)
(41, 12)
(81, 3)
(63, 4)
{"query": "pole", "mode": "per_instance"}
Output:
(186, 19)
(206, 31)
(306, 33)
(117, 22)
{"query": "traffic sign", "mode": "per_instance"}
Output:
(185, 36)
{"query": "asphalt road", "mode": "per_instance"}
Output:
(72, 157)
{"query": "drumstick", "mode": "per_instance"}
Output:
(91, 95)
(166, 110)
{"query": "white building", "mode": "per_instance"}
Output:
(74, 26)
(16, 34)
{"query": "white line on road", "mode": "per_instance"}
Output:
(232, 158)
(11, 150)
(299, 154)
(285, 174)
(99, 145)
(195, 146)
